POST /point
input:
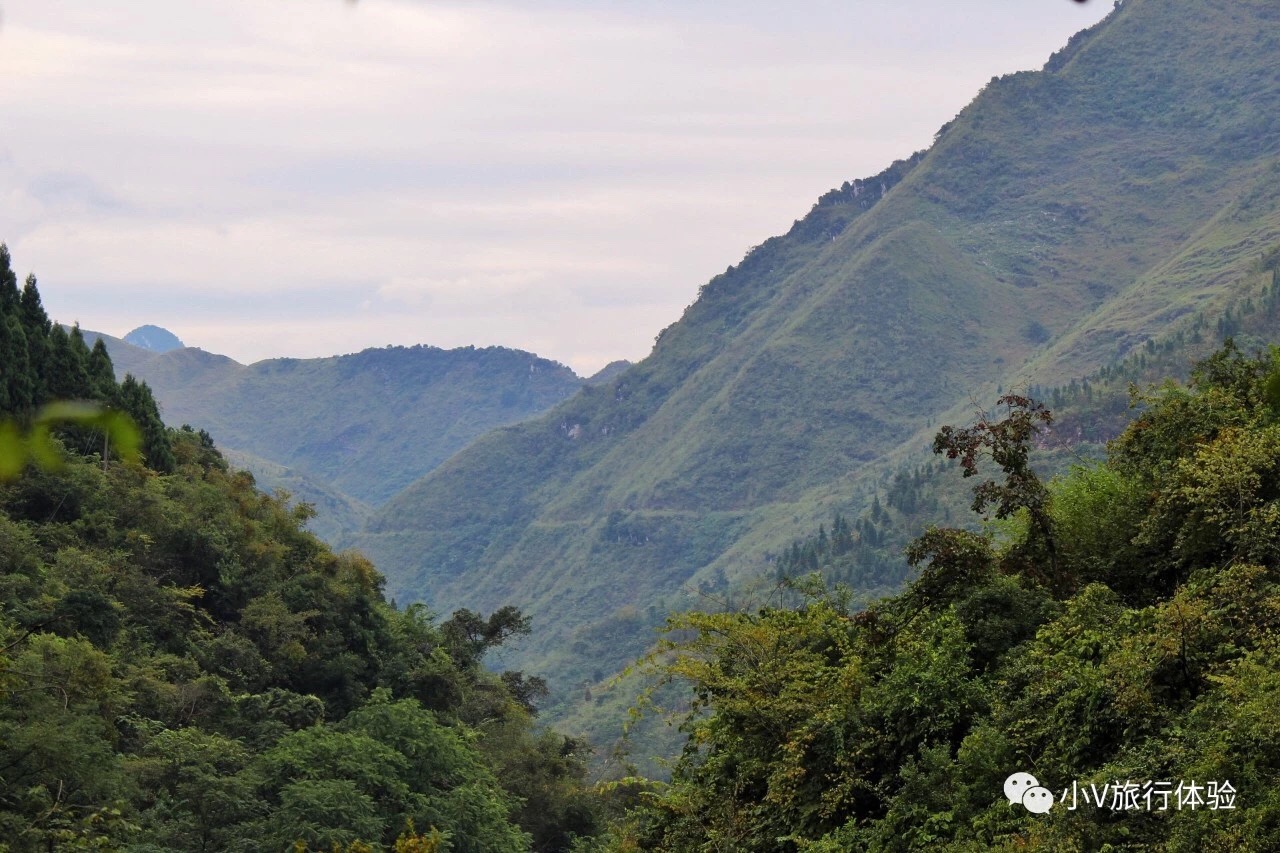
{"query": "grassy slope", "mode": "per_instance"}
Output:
(1129, 182)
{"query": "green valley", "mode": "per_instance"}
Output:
(1117, 639)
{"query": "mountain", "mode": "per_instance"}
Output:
(154, 338)
(1064, 220)
(1119, 636)
(610, 370)
(357, 428)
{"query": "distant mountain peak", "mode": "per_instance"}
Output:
(154, 338)
(607, 372)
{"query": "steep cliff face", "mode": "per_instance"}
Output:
(1059, 221)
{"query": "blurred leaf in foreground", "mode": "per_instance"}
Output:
(121, 437)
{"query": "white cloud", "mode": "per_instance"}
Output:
(554, 175)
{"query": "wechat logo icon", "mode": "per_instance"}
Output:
(1026, 789)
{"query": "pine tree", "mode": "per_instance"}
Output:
(38, 329)
(33, 313)
(102, 375)
(17, 386)
(86, 388)
(8, 282)
(15, 365)
(66, 373)
(841, 537)
(8, 366)
(136, 399)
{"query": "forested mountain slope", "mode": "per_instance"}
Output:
(363, 425)
(1116, 642)
(1059, 221)
(184, 668)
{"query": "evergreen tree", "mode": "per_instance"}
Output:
(17, 386)
(136, 399)
(38, 329)
(66, 373)
(102, 376)
(9, 296)
(33, 313)
(14, 364)
(81, 355)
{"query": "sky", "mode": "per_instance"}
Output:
(305, 178)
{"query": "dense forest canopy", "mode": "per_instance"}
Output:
(184, 668)
(1119, 638)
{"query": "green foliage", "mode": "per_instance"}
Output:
(135, 398)
(183, 668)
(38, 445)
(56, 393)
(894, 728)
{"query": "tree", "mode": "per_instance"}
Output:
(17, 388)
(1008, 443)
(9, 297)
(136, 400)
(37, 326)
(66, 374)
(202, 797)
(469, 636)
(102, 376)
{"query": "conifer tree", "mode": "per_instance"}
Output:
(17, 391)
(8, 282)
(86, 388)
(33, 313)
(102, 374)
(38, 328)
(136, 399)
(66, 373)
(7, 364)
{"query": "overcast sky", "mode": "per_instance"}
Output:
(311, 177)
